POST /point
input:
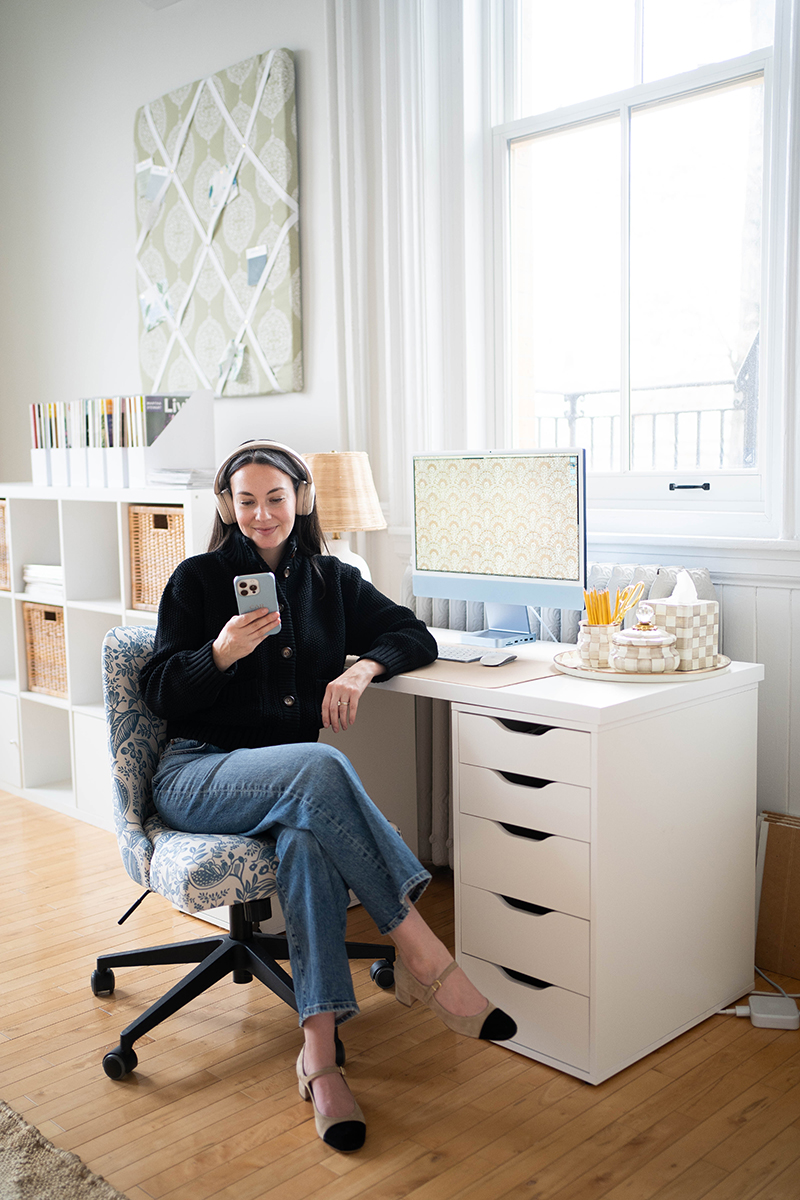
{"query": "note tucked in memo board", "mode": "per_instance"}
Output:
(216, 177)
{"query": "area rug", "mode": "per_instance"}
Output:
(31, 1168)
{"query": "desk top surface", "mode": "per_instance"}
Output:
(584, 701)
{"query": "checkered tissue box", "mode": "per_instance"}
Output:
(696, 629)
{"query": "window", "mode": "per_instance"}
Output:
(633, 190)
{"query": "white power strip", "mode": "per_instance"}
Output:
(769, 1012)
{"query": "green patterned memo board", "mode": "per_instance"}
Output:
(234, 132)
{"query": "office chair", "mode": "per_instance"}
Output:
(193, 871)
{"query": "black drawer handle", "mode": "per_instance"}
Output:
(526, 906)
(525, 780)
(531, 980)
(524, 726)
(533, 835)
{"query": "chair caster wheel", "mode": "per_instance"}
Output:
(340, 1050)
(119, 1063)
(382, 973)
(103, 982)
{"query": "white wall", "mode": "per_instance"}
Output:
(72, 75)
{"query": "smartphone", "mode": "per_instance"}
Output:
(256, 591)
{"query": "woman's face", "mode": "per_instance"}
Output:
(265, 505)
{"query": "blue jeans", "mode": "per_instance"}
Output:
(329, 837)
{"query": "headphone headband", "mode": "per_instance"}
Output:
(305, 491)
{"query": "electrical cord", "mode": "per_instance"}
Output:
(774, 984)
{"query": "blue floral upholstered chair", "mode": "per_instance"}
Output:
(194, 871)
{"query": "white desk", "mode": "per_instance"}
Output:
(604, 885)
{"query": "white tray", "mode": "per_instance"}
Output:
(571, 663)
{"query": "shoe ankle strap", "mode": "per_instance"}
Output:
(437, 983)
(325, 1071)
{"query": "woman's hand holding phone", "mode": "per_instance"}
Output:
(241, 636)
(259, 617)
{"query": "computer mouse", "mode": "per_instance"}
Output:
(496, 658)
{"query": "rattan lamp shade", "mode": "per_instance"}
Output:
(346, 496)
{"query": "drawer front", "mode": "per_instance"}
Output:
(549, 945)
(553, 872)
(559, 808)
(563, 755)
(550, 1020)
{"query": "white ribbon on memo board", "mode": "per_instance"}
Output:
(226, 114)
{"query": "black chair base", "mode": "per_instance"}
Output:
(242, 953)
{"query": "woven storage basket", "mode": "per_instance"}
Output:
(45, 649)
(5, 565)
(157, 546)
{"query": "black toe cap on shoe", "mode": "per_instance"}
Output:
(346, 1135)
(498, 1026)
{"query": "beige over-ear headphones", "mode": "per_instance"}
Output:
(304, 491)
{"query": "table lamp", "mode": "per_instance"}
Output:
(346, 500)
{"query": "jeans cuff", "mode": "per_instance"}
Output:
(344, 1010)
(411, 892)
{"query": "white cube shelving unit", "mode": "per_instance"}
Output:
(54, 751)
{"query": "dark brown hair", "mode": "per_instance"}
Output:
(307, 529)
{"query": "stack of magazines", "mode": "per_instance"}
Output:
(180, 477)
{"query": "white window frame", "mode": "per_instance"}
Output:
(755, 503)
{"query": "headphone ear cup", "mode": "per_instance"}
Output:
(305, 499)
(224, 503)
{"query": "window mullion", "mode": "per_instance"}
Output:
(625, 291)
(513, 54)
(638, 42)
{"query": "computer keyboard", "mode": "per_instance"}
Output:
(459, 653)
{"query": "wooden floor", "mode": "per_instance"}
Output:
(213, 1109)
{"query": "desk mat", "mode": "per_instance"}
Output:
(522, 670)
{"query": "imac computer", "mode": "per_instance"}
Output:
(506, 527)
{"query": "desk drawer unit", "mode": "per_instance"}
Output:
(577, 806)
(543, 869)
(550, 1020)
(525, 748)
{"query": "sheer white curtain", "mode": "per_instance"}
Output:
(410, 174)
(411, 170)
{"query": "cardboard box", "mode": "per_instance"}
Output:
(778, 936)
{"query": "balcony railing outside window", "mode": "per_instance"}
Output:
(714, 434)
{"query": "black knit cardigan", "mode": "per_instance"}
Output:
(274, 695)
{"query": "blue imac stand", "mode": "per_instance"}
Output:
(507, 625)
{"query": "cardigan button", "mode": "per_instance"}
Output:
(287, 573)
(288, 701)
(287, 651)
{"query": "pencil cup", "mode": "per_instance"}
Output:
(594, 643)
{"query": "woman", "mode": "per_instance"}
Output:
(244, 697)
